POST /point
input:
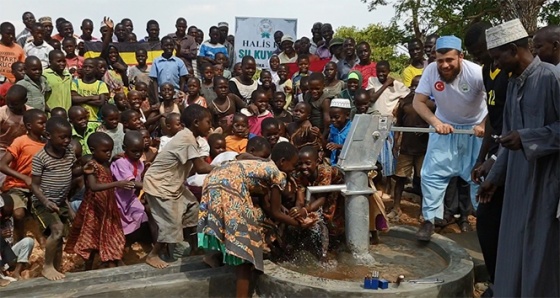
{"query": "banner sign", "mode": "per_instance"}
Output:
(255, 37)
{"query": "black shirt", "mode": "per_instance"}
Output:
(496, 83)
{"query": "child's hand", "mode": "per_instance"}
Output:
(333, 146)
(288, 89)
(52, 207)
(107, 21)
(390, 81)
(126, 184)
(88, 168)
(27, 181)
(253, 109)
(309, 221)
(315, 131)
(396, 150)
(7, 233)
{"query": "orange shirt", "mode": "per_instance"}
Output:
(22, 149)
(237, 144)
(9, 55)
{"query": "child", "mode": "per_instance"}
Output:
(270, 128)
(301, 131)
(150, 153)
(16, 165)
(285, 85)
(74, 63)
(221, 59)
(266, 84)
(366, 67)
(35, 84)
(261, 100)
(60, 81)
(193, 94)
(173, 207)
(312, 172)
(78, 188)
(81, 128)
(226, 103)
(140, 72)
(274, 64)
(88, 91)
(11, 117)
(59, 112)
(168, 68)
(244, 85)
(121, 101)
(130, 168)
(130, 120)
(409, 148)
(218, 70)
(240, 134)
(11, 51)
(18, 71)
(362, 100)
(320, 104)
(208, 49)
(304, 87)
(278, 110)
(100, 68)
(50, 183)
(386, 91)
(303, 65)
(38, 47)
(340, 126)
(236, 70)
(333, 86)
(217, 143)
(135, 99)
(207, 91)
(168, 104)
(173, 126)
(353, 83)
(97, 227)
(110, 125)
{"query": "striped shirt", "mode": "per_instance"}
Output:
(209, 50)
(55, 173)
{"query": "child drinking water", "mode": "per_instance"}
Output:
(97, 227)
(340, 126)
(260, 99)
(110, 125)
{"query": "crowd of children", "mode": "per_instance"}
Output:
(115, 157)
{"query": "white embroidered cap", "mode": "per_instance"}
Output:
(342, 103)
(505, 33)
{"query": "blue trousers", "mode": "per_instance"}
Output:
(447, 156)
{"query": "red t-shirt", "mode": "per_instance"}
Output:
(367, 72)
(3, 91)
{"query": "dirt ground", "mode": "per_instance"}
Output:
(136, 253)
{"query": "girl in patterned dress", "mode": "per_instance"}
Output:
(97, 227)
(231, 222)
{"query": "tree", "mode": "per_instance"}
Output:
(382, 40)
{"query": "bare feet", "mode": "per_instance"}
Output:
(51, 274)
(156, 262)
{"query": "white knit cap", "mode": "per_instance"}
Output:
(505, 33)
(342, 103)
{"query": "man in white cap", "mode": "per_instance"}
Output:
(288, 54)
(224, 30)
(528, 165)
(458, 90)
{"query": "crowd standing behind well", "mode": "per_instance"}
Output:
(181, 152)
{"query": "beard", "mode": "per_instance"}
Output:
(449, 78)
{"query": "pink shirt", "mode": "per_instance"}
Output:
(367, 72)
(256, 120)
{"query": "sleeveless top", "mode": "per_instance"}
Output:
(245, 90)
(316, 116)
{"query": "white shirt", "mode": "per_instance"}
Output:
(462, 102)
(389, 99)
(41, 51)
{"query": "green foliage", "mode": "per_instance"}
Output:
(382, 40)
(550, 13)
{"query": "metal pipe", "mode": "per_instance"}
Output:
(429, 130)
(357, 215)
(323, 188)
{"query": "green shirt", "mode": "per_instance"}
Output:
(60, 95)
(35, 92)
(91, 128)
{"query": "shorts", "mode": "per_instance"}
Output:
(406, 163)
(172, 216)
(46, 218)
(20, 196)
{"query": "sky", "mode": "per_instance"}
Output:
(202, 14)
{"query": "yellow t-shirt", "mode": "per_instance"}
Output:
(409, 73)
(84, 89)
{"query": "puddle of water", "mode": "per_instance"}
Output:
(394, 256)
